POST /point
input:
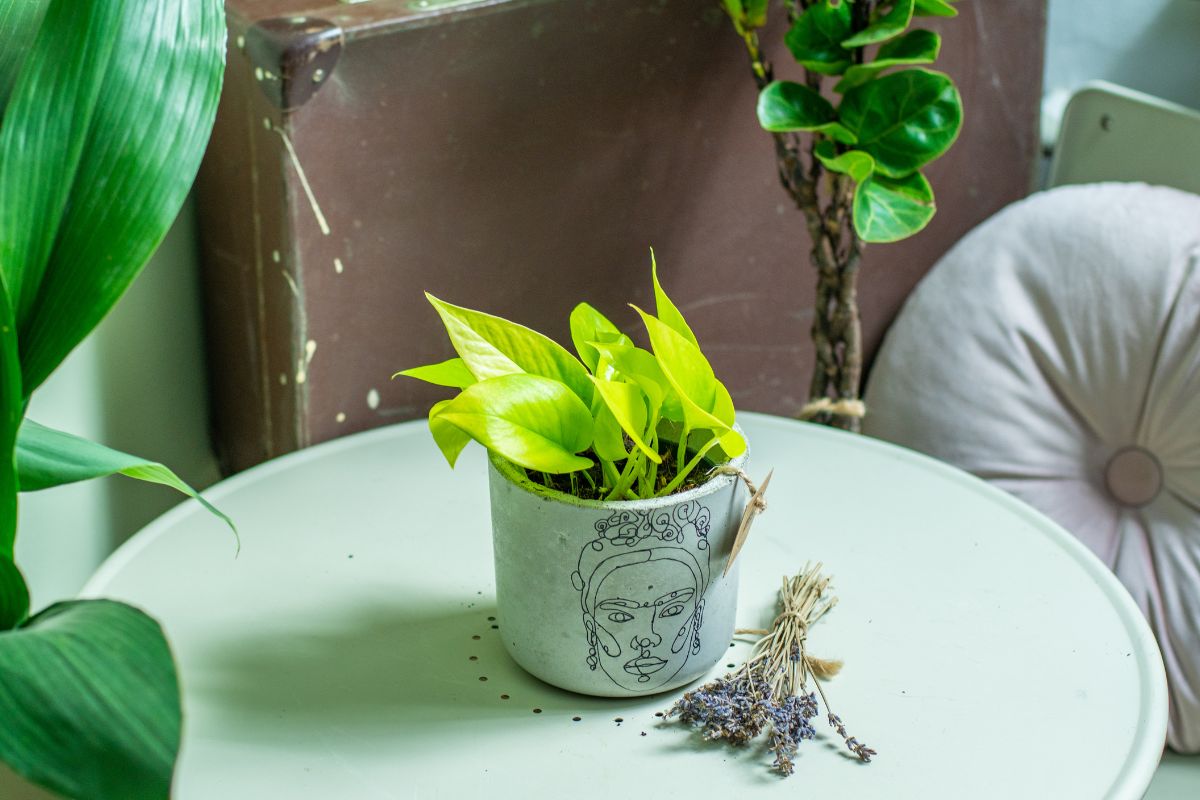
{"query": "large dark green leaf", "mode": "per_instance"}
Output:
(904, 120)
(112, 109)
(815, 38)
(889, 24)
(788, 106)
(887, 210)
(14, 595)
(19, 21)
(90, 702)
(46, 458)
(915, 47)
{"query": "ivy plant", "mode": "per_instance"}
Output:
(107, 106)
(852, 158)
(614, 421)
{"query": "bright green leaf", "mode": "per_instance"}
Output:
(531, 420)
(641, 367)
(589, 325)
(891, 23)
(46, 458)
(628, 402)
(90, 702)
(112, 109)
(14, 595)
(452, 372)
(934, 8)
(666, 310)
(915, 47)
(904, 120)
(815, 38)
(608, 438)
(690, 375)
(19, 21)
(449, 438)
(492, 346)
(887, 210)
(855, 163)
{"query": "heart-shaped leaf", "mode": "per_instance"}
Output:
(452, 372)
(449, 438)
(46, 458)
(705, 401)
(889, 24)
(608, 439)
(628, 402)
(100, 142)
(589, 325)
(492, 346)
(887, 210)
(671, 316)
(915, 47)
(90, 702)
(855, 163)
(815, 38)
(903, 120)
(934, 8)
(531, 420)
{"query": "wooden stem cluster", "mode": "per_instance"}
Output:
(825, 198)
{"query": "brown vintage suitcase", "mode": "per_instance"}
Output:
(518, 156)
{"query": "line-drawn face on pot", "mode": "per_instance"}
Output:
(641, 584)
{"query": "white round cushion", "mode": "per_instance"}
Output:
(1055, 351)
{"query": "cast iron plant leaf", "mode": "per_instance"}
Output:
(108, 107)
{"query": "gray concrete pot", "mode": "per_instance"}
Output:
(614, 598)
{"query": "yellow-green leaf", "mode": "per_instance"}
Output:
(452, 372)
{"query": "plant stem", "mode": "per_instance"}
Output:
(682, 474)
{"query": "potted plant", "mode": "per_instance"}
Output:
(611, 521)
(107, 107)
(852, 161)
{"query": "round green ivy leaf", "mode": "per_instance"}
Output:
(815, 38)
(788, 106)
(890, 24)
(905, 120)
(855, 163)
(915, 47)
(887, 210)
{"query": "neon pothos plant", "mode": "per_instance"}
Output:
(852, 160)
(107, 106)
(617, 423)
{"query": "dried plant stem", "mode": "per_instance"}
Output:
(781, 655)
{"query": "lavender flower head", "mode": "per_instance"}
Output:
(741, 706)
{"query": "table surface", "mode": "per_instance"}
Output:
(352, 649)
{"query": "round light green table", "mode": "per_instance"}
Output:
(352, 649)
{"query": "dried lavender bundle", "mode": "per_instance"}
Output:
(769, 693)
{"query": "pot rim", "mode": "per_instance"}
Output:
(510, 472)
